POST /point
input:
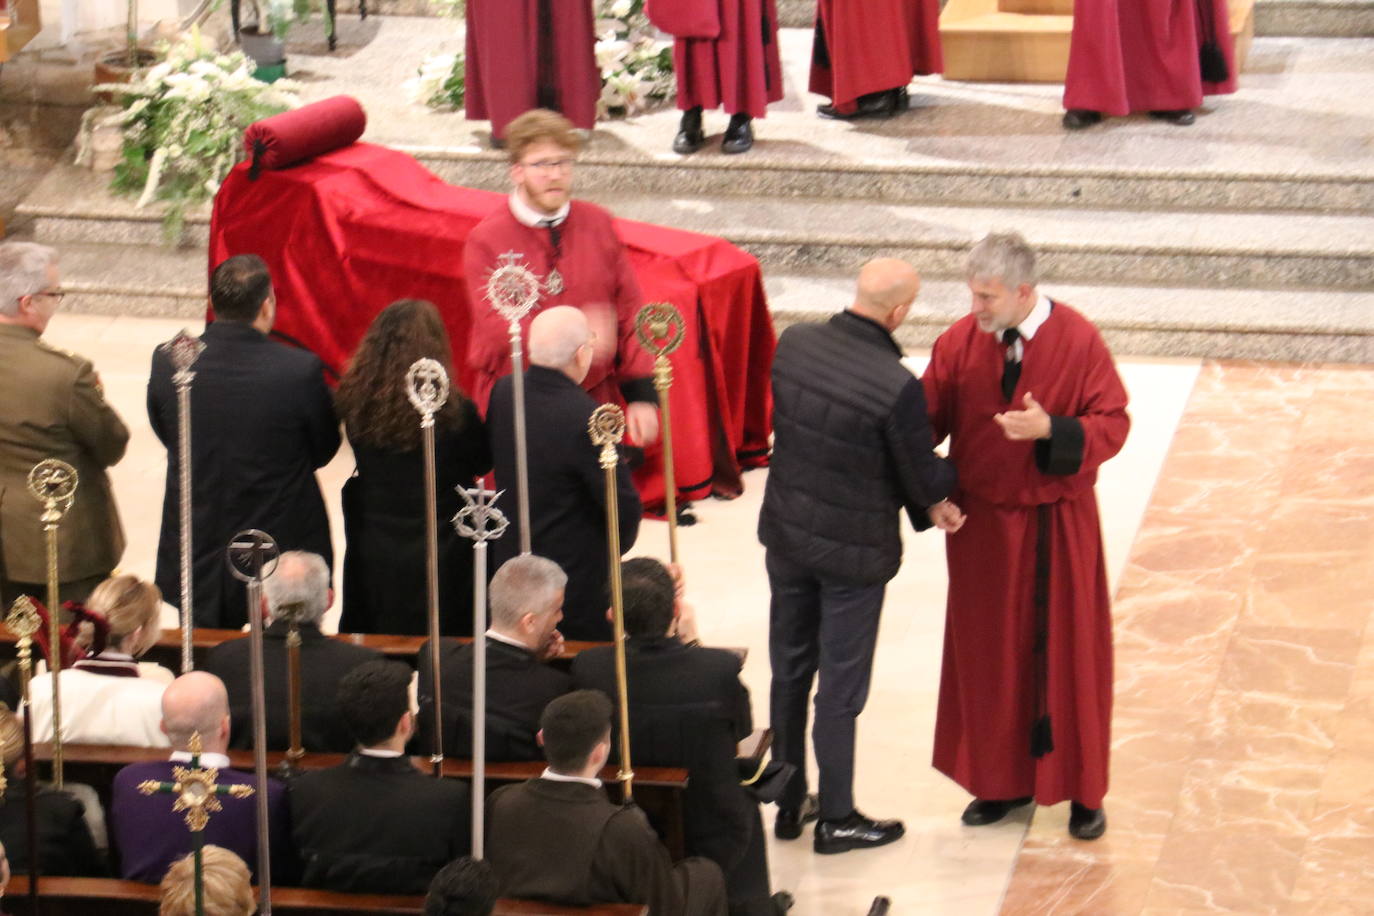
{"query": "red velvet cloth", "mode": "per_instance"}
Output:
(740, 70)
(685, 18)
(1142, 55)
(356, 229)
(874, 45)
(306, 132)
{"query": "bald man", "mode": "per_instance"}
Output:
(145, 830)
(567, 485)
(852, 448)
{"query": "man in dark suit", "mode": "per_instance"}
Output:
(375, 824)
(567, 485)
(559, 839)
(149, 836)
(262, 421)
(526, 606)
(54, 407)
(299, 590)
(852, 448)
(688, 708)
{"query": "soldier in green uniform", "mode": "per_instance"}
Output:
(51, 406)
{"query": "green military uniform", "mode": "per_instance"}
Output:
(51, 406)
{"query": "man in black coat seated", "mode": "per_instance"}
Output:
(262, 420)
(299, 590)
(526, 605)
(688, 708)
(567, 485)
(375, 824)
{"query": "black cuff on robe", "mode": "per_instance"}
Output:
(1062, 452)
(639, 389)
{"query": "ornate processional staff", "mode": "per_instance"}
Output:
(659, 327)
(427, 389)
(198, 795)
(513, 290)
(480, 520)
(183, 350)
(606, 428)
(290, 764)
(252, 557)
(23, 622)
(53, 483)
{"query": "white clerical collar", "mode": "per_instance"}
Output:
(207, 759)
(379, 752)
(1039, 314)
(528, 216)
(501, 637)
(551, 776)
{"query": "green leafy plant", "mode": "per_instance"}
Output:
(277, 16)
(183, 121)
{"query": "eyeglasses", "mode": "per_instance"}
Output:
(550, 165)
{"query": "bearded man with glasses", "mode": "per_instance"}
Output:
(51, 406)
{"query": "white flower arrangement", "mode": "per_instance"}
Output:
(635, 60)
(183, 123)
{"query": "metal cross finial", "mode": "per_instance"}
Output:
(659, 327)
(53, 483)
(23, 620)
(606, 427)
(183, 350)
(427, 387)
(479, 519)
(245, 550)
(512, 288)
(195, 789)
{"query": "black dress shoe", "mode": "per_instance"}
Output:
(855, 832)
(883, 104)
(782, 902)
(1079, 118)
(690, 137)
(982, 811)
(739, 136)
(1182, 117)
(790, 821)
(1086, 823)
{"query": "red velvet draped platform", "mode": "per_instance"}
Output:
(356, 229)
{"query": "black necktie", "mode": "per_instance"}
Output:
(555, 235)
(1011, 367)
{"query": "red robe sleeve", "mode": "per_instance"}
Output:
(1083, 441)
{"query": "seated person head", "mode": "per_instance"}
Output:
(241, 291)
(374, 699)
(196, 703)
(527, 600)
(575, 732)
(650, 597)
(299, 588)
(561, 338)
(133, 610)
(28, 285)
(228, 886)
(11, 741)
(463, 887)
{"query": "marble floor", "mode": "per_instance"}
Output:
(1239, 544)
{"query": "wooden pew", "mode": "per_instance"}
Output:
(110, 897)
(658, 790)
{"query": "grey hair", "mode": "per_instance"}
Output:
(523, 585)
(555, 337)
(1004, 256)
(23, 272)
(299, 588)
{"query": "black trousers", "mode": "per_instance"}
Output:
(819, 625)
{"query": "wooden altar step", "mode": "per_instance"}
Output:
(1027, 41)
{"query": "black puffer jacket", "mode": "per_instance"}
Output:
(852, 446)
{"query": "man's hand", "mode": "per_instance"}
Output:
(679, 580)
(1020, 425)
(685, 625)
(946, 516)
(641, 423)
(553, 648)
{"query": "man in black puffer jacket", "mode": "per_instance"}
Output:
(852, 448)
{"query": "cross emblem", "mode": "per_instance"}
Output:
(196, 790)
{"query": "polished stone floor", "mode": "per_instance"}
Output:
(1238, 530)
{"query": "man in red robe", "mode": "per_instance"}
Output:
(1031, 400)
(739, 68)
(571, 248)
(1160, 56)
(866, 51)
(524, 54)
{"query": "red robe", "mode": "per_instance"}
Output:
(1142, 55)
(514, 65)
(865, 46)
(596, 271)
(740, 69)
(990, 692)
